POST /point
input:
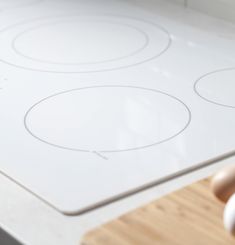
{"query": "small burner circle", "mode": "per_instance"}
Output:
(106, 119)
(217, 87)
(95, 42)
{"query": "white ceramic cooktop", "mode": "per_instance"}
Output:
(101, 99)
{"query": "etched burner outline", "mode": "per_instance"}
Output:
(102, 154)
(21, 5)
(208, 74)
(118, 67)
(81, 63)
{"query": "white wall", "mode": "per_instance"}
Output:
(178, 1)
(220, 8)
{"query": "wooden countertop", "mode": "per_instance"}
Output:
(191, 216)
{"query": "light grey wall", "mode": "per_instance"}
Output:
(219, 8)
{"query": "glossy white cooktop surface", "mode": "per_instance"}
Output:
(104, 98)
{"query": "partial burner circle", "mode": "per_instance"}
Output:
(107, 119)
(82, 43)
(217, 87)
(8, 4)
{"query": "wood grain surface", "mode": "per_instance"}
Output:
(191, 216)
